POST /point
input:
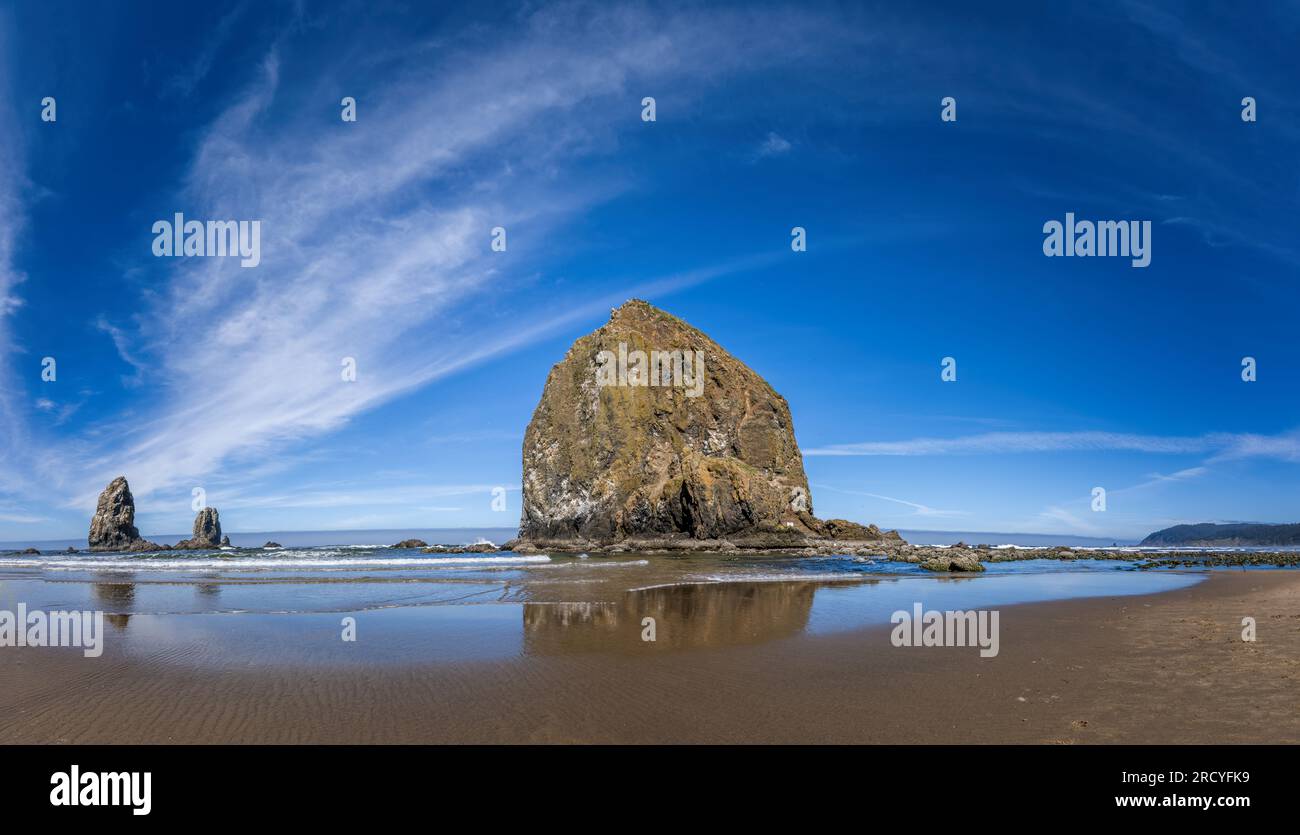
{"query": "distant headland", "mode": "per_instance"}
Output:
(1230, 534)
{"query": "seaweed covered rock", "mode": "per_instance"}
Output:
(953, 560)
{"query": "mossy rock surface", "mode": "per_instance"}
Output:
(605, 463)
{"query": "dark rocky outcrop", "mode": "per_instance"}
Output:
(112, 528)
(207, 532)
(629, 450)
(272, 545)
(844, 530)
(411, 543)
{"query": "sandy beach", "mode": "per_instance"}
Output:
(1154, 668)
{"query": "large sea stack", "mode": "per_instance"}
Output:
(112, 528)
(650, 435)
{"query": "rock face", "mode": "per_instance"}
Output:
(844, 530)
(649, 433)
(207, 531)
(112, 528)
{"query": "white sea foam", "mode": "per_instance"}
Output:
(763, 577)
(596, 564)
(272, 563)
(792, 577)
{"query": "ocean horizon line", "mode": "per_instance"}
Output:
(351, 536)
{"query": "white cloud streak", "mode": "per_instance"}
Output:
(121, 342)
(1221, 445)
(920, 509)
(774, 145)
(375, 233)
(917, 508)
(1072, 522)
(14, 445)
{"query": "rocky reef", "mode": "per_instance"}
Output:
(651, 436)
(962, 557)
(952, 562)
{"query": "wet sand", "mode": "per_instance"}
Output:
(1162, 668)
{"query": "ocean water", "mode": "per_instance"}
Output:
(286, 606)
(251, 605)
(1024, 540)
(359, 577)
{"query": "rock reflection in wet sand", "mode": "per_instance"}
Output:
(120, 596)
(687, 616)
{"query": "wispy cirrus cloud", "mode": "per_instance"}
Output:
(773, 145)
(1059, 516)
(14, 446)
(1220, 445)
(918, 509)
(1215, 447)
(375, 234)
(21, 518)
(344, 496)
(183, 84)
(1181, 475)
(121, 342)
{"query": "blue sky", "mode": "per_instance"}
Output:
(924, 241)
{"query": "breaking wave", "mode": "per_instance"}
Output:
(294, 560)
